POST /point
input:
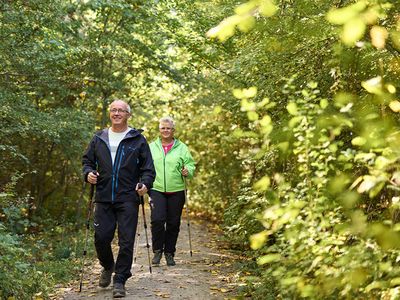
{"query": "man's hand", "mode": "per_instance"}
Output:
(141, 189)
(92, 177)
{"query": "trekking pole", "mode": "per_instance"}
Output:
(187, 217)
(145, 227)
(137, 243)
(91, 193)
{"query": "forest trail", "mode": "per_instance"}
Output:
(208, 274)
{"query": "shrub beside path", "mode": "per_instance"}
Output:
(208, 274)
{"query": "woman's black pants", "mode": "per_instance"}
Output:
(166, 211)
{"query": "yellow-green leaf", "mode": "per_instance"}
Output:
(324, 103)
(258, 240)
(246, 23)
(358, 141)
(245, 8)
(263, 184)
(265, 259)
(250, 92)
(265, 121)
(292, 108)
(373, 85)
(345, 14)
(268, 8)
(379, 35)
(353, 31)
(395, 106)
(252, 115)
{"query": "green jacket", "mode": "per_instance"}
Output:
(168, 167)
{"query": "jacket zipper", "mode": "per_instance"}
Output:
(119, 166)
(165, 157)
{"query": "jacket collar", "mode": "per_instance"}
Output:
(176, 142)
(103, 134)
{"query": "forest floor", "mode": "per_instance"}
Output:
(208, 274)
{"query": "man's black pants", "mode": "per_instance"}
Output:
(166, 211)
(106, 218)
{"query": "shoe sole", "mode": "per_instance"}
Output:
(119, 295)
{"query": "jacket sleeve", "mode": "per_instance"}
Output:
(147, 171)
(89, 160)
(188, 162)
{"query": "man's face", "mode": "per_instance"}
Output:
(166, 130)
(119, 114)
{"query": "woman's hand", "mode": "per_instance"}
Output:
(185, 172)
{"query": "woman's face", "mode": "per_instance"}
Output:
(166, 131)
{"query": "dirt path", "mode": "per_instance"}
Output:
(206, 275)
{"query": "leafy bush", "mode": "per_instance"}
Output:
(19, 277)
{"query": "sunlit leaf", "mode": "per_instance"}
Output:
(250, 92)
(265, 121)
(373, 85)
(382, 162)
(294, 121)
(395, 37)
(262, 184)
(379, 35)
(358, 141)
(390, 88)
(252, 115)
(268, 8)
(247, 105)
(258, 240)
(217, 109)
(353, 30)
(395, 105)
(367, 183)
(292, 108)
(374, 285)
(246, 23)
(265, 259)
(324, 103)
(246, 8)
(345, 14)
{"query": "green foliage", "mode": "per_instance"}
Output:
(19, 278)
(330, 226)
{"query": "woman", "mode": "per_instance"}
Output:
(173, 162)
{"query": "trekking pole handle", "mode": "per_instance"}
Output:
(140, 185)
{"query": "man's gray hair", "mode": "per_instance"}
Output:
(167, 119)
(128, 108)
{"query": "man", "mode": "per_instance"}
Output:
(116, 161)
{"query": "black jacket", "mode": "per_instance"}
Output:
(133, 163)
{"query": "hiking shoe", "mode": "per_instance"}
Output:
(105, 277)
(169, 257)
(119, 290)
(157, 257)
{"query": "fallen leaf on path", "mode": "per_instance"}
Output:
(162, 295)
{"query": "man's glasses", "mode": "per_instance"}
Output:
(119, 110)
